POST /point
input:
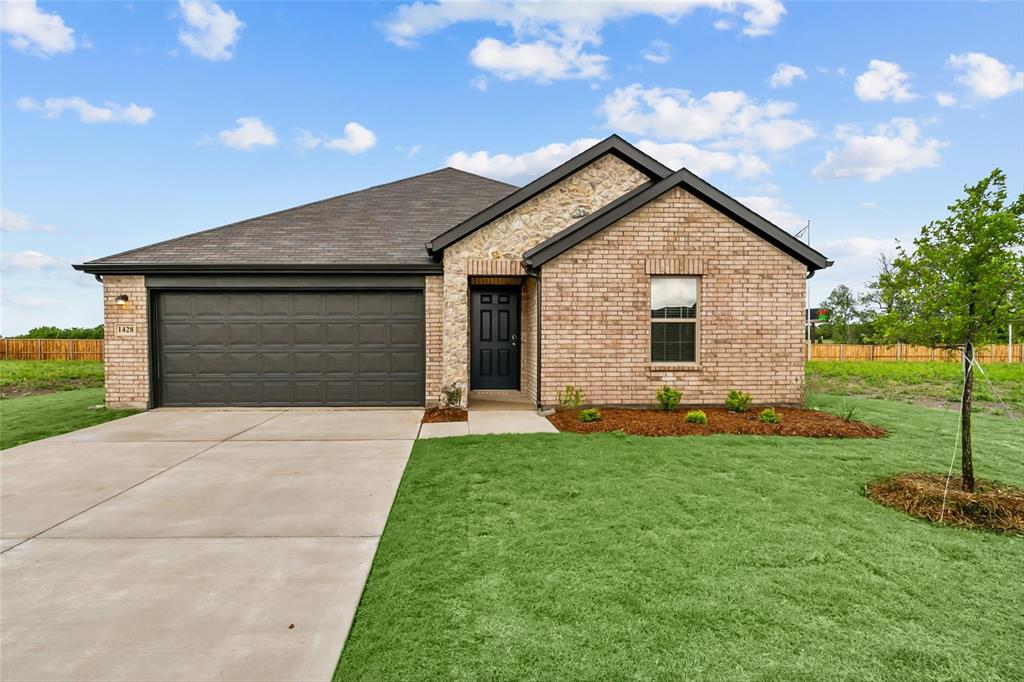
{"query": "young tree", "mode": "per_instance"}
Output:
(961, 283)
(843, 311)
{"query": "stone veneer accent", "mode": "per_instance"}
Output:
(514, 233)
(126, 358)
(596, 309)
(433, 303)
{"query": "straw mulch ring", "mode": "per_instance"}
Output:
(651, 422)
(992, 506)
(437, 415)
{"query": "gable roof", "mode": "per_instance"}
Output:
(610, 145)
(382, 227)
(714, 197)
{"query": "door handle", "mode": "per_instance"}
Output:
(514, 339)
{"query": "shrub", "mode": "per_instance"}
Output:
(570, 397)
(452, 395)
(769, 416)
(738, 401)
(591, 414)
(849, 411)
(668, 398)
(696, 417)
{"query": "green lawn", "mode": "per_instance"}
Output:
(23, 420)
(560, 556)
(932, 382)
(19, 377)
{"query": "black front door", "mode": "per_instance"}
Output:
(495, 340)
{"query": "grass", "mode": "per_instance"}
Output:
(928, 382)
(19, 377)
(23, 420)
(564, 556)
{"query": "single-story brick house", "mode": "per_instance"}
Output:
(611, 272)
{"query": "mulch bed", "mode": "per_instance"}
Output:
(650, 422)
(436, 415)
(992, 506)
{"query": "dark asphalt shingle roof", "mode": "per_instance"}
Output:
(383, 225)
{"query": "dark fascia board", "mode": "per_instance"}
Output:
(620, 208)
(265, 268)
(610, 145)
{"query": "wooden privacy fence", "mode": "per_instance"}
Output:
(51, 349)
(904, 352)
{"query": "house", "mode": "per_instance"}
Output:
(611, 272)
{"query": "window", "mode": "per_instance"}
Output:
(674, 319)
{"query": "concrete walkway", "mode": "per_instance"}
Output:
(194, 544)
(492, 415)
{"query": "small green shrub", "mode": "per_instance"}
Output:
(738, 401)
(769, 416)
(452, 395)
(668, 398)
(848, 411)
(591, 414)
(570, 397)
(696, 417)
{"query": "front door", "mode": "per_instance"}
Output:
(495, 338)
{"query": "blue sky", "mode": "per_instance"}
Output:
(129, 123)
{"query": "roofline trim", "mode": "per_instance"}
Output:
(612, 144)
(268, 268)
(616, 210)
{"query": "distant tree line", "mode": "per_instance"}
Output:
(62, 333)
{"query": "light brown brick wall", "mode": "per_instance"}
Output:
(528, 338)
(596, 309)
(126, 358)
(433, 301)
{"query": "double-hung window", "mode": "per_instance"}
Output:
(674, 319)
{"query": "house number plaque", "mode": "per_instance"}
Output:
(124, 330)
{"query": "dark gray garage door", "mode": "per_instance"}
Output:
(290, 348)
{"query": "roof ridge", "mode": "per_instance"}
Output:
(291, 208)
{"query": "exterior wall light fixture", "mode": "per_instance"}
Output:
(122, 299)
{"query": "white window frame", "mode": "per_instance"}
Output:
(695, 321)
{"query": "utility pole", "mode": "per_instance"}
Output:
(806, 232)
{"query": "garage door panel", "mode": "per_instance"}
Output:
(290, 348)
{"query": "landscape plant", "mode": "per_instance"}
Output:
(452, 395)
(668, 398)
(769, 416)
(738, 401)
(696, 417)
(959, 285)
(570, 397)
(591, 414)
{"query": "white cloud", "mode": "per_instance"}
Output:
(540, 60)
(868, 204)
(110, 112)
(10, 221)
(986, 77)
(722, 25)
(557, 33)
(862, 249)
(211, 32)
(892, 147)
(480, 83)
(726, 119)
(785, 74)
(883, 80)
(33, 31)
(775, 210)
(251, 132)
(945, 99)
(704, 162)
(509, 167)
(29, 260)
(414, 150)
(658, 52)
(357, 139)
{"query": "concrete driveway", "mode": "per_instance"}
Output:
(194, 544)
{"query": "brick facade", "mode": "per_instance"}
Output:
(596, 309)
(126, 358)
(433, 302)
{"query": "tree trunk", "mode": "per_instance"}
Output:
(966, 463)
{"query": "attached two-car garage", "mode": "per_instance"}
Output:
(288, 348)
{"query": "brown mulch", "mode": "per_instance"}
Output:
(992, 506)
(650, 422)
(445, 414)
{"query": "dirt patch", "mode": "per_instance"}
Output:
(648, 422)
(437, 415)
(16, 391)
(992, 506)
